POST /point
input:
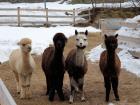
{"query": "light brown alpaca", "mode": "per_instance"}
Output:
(22, 64)
(110, 66)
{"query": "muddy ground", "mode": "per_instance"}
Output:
(129, 86)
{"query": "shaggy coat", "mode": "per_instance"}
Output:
(53, 66)
(76, 65)
(22, 64)
(110, 66)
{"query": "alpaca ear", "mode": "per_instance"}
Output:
(86, 32)
(18, 43)
(105, 36)
(76, 32)
(116, 35)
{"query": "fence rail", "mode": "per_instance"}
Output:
(21, 13)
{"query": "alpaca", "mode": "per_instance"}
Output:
(53, 66)
(22, 64)
(76, 65)
(110, 66)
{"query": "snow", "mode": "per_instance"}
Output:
(128, 62)
(131, 32)
(57, 5)
(133, 20)
(41, 37)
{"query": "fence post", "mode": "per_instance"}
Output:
(18, 16)
(89, 15)
(73, 17)
(46, 11)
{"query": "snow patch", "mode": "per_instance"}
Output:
(41, 37)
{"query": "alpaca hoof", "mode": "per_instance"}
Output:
(22, 97)
(29, 96)
(51, 98)
(18, 92)
(70, 101)
(62, 98)
(117, 99)
(83, 99)
(107, 100)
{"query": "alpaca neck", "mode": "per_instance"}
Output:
(58, 54)
(79, 57)
(25, 58)
(111, 59)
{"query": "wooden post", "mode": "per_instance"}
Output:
(18, 16)
(89, 14)
(102, 32)
(73, 17)
(46, 11)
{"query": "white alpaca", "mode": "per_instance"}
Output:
(22, 64)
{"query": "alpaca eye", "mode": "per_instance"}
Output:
(23, 45)
(77, 39)
(85, 39)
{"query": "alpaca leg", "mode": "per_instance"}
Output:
(115, 87)
(71, 95)
(108, 87)
(81, 83)
(48, 84)
(52, 89)
(74, 84)
(17, 82)
(59, 88)
(23, 86)
(28, 87)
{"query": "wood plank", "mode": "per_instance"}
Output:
(40, 16)
(22, 22)
(5, 97)
(26, 9)
(8, 9)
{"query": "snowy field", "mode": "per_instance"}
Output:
(41, 37)
(128, 61)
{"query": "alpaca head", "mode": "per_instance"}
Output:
(81, 39)
(25, 45)
(111, 42)
(59, 41)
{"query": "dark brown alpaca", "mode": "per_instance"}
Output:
(110, 66)
(53, 66)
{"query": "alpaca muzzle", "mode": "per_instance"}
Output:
(29, 48)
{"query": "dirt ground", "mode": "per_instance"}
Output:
(129, 86)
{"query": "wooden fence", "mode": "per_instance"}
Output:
(5, 97)
(19, 14)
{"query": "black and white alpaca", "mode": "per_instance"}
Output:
(76, 65)
(110, 66)
(53, 66)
